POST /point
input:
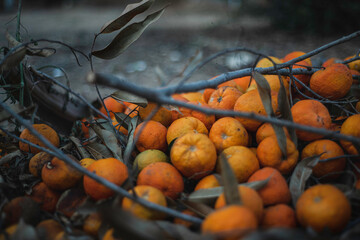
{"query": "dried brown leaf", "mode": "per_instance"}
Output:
(98, 150)
(128, 97)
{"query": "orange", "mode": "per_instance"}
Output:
(185, 125)
(269, 154)
(312, 113)
(206, 94)
(184, 222)
(296, 54)
(279, 216)
(37, 162)
(208, 120)
(92, 224)
(250, 199)
(331, 61)
(231, 222)
(265, 62)
(113, 106)
(354, 65)
(162, 116)
(267, 130)
(152, 136)
(86, 162)
(250, 102)
(231, 83)
(132, 110)
(276, 191)
(274, 83)
(193, 96)
(194, 155)
(44, 130)
(242, 161)
(304, 78)
(59, 175)
(224, 98)
(119, 127)
(112, 170)
(333, 82)
(322, 207)
(147, 157)
(227, 132)
(45, 197)
(243, 82)
(48, 229)
(164, 177)
(350, 127)
(328, 149)
(209, 181)
(85, 128)
(150, 194)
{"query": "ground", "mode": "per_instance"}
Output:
(182, 31)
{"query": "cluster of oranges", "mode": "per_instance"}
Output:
(178, 146)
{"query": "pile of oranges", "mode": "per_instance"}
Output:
(177, 153)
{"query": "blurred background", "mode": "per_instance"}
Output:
(188, 28)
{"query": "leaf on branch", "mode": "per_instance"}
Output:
(128, 97)
(123, 119)
(126, 37)
(79, 147)
(265, 95)
(112, 144)
(98, 150)
(231, 191)
(129, 13)
(131, 138)
(301, 174)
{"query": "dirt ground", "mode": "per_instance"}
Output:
(168, 44)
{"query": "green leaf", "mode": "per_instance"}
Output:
(128, 97)
(129, 13)
(265, 95)
(126, 37)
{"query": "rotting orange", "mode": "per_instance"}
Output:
(194, 155)
(323, 206)
(45, 196)
(250, 102)
(162, 116)
(279, 216)
(210, 181)
(185, 125)
(231, 222)
(242, 161)
(113, 106)
(149, 193)
(276, 190)
(59, 175)
(354, 65)
(150, 135)
(45, 130)
(267, 130)
(250, 199)
(147, 157)
(112, 170)
(312, 113)
(164, 177)
(37, 162)
(350, 127)
(227, 132)
(265, 62)
(224, 98)
(333, 82)
(328, 149)
(269, 154)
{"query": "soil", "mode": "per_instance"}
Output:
(185, 29)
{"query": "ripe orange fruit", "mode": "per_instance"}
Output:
(250, 102)
(276, 191)
(242, 161)
(86, 162)
(266, 130)
(323, 206)
(185, 125)
(164, 177)
(149, 193)
(224, 98)
(274, 83)
(243, 82)
(250, 199)
(184, 222)
(296, 54)
(119, 127)
(112, 170)
(162, 115)
(194, 155)
(209, 181)
(44, 130)
(333, 82)
(113, 106)
(147, 157)
(331, 61)
(132, 110)
(279, 215)
(92, 224)
(59, 175)
(152, 136)
(37, 162)
(312, 113)
(269, 154)
(193, 96)
(330, 149)
(45, 196)
(231, 222)
(265, 62)
(231, 83)
(350, 127)
(354, 65)
(304, 78)
(206, 94)
(227, 132)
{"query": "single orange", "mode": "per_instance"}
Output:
(354, 65)
(86, 162)
(194, 155)
(37, 162)
(193, 96)
(265, 62)
(279, 216)
(185, 125)
(243, 82)
(350, 127)
(224, 98)
(231, 83)
(147, 157)
(206, 94)
(150, 135)
(331, 61)
(112, 170)
(296, 54)
(209, 181)
(113, 106)
(267, 130)
(132, 110)
(162, 115)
